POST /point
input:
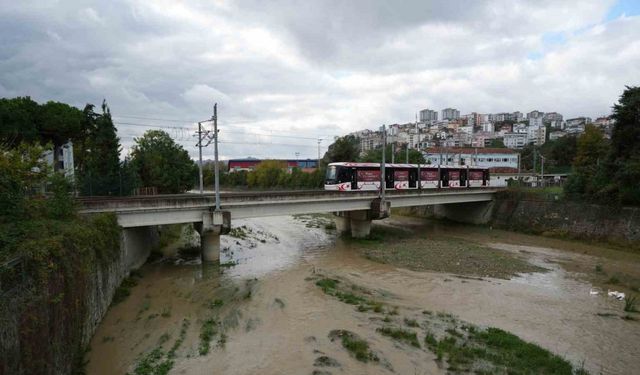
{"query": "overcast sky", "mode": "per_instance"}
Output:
(304, 69)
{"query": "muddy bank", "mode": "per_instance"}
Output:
(266, 314)
(394, 244)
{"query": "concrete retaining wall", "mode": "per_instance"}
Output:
(617, 225)
(39, 332)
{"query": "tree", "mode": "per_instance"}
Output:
(497, 143)
(161, 163)
(268, 173)
(345, 148)
(99, 169)
(22, 171)
(623, 164)
(592, 149)
(18, 121)
(58, 123)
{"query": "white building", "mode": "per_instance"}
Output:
(482, 157)
(65, 159)
(535, 122)
(577, 125)
(535, 114)
(536, 135)
(450, 114)
(556, 134)
(428, 115)
(516, 140)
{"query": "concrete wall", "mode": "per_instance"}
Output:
(40, 336)
(617, 225)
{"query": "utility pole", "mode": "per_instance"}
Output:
(200, 157)
(419, 152)
(319, 140)
(542, 171)
(407, 154)
(216, 168)
(393, 153)
(382, 172)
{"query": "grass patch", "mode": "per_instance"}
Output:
(208, 329)
(599, 268)
(503, 351)
(400, 334)
(356, 346)
(447, 255)
(630, 304)
(124, 290)
(613, 280)
(411, 322)
(157, 361)
(331, 287)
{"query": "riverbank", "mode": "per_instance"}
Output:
(270, 312)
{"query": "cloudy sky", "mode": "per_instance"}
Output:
(300, 70)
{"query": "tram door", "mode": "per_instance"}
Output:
(354, 179)
(388, 178)
(413, 178)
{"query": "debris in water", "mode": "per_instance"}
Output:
(614, 293)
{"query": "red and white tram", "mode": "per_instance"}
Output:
(349, 176)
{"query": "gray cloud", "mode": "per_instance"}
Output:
(301, 68)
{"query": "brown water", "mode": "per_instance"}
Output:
(277, 321)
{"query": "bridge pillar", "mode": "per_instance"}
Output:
(210, 246)
(360, 222)
(214, 223)
(343, 222)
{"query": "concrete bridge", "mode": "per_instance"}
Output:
(353, 211)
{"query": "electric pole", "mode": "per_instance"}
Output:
(393, 153)
(215, 151)
(419, 152)
(382, 172)
(318, 165)
(200, 157)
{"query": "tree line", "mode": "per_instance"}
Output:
(155, 159)
(608, 171)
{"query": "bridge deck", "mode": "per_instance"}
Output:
(184, 208)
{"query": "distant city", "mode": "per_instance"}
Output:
(513, 130)
(490, 140)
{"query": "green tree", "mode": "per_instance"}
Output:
(99, 168)
(58, 123)
(22, 172)
(161, 163)
(497, 143)
(267, 174)
(18, 121)
(592, 149)
(342, 149)
(623, 164)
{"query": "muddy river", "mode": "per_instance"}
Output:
(276, 307)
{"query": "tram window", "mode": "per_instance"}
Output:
(331, 173)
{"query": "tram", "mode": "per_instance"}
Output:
(348, 176)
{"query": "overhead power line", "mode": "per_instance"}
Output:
(226, 132)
